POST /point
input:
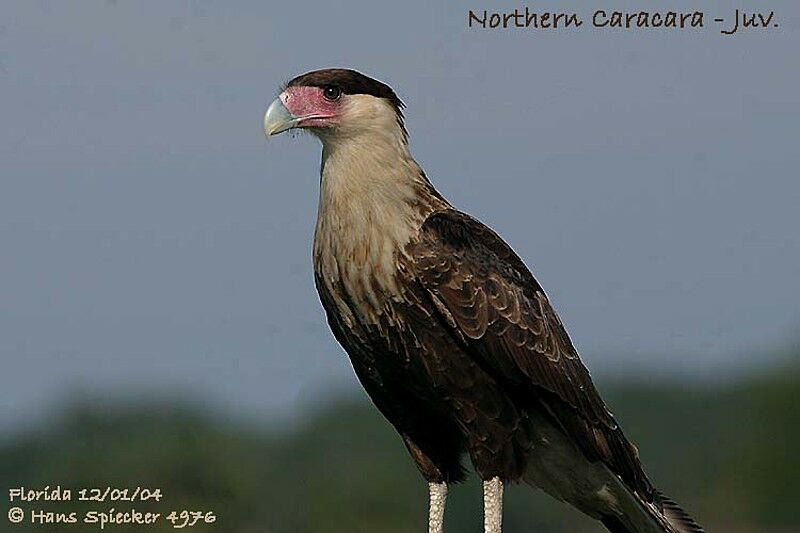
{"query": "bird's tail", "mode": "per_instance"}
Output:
(679, 519)
(662, 515)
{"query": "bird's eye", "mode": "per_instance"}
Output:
(331, 92)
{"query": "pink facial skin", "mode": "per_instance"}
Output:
(311, 108)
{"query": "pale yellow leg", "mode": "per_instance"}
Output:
(438, 497)
(493, 505)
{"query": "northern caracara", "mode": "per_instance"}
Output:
(446, 328)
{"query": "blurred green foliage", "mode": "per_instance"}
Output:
(727, 453)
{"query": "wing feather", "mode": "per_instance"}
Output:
(491, 302)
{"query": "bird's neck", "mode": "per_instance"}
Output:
(373, 199)
(370, 182)
(373, 171)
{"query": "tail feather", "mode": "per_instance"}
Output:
(664, 515)
(679, 519)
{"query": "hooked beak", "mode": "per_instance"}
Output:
(278, 118)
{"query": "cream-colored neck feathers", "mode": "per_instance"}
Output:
(373, 200)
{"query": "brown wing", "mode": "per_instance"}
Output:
(493, 304)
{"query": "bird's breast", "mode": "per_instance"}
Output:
(357, 258)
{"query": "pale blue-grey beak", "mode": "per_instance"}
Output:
(278, 118)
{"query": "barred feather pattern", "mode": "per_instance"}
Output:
(491, 300)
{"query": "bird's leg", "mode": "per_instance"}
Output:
(438, 497)
(492, 505)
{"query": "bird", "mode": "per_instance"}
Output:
(447, 330)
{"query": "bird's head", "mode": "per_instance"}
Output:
(335, 103)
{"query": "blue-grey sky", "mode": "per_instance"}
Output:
(152, 239)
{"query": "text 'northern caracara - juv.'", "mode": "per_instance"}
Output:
(447, 329)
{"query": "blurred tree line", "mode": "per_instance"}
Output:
(728, 453)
